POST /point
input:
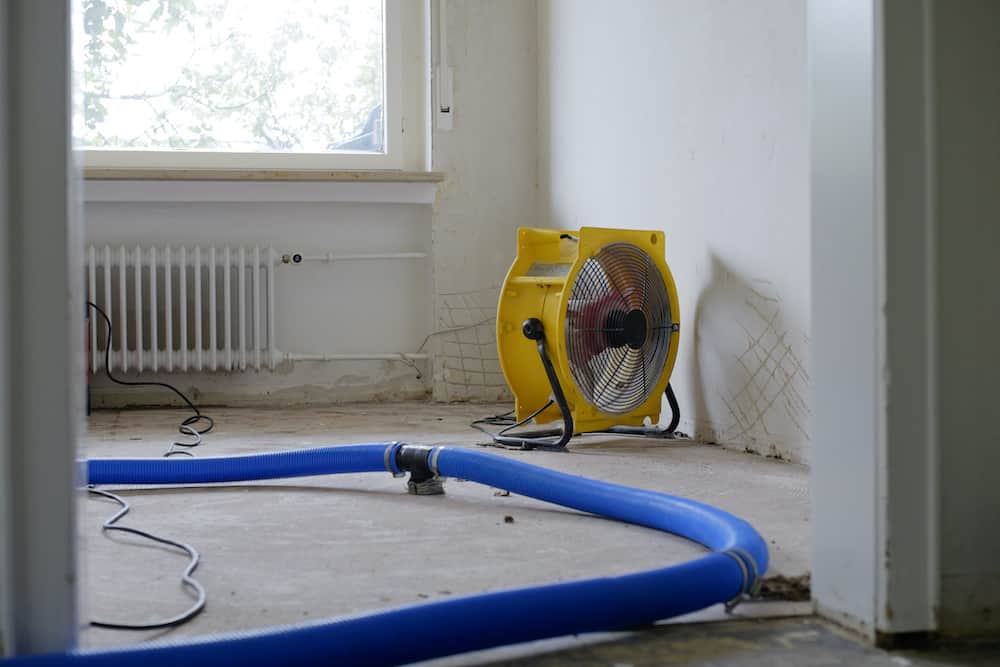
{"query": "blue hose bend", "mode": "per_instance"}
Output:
(447, 627)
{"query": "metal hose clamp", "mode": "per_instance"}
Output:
(751, 579)
(432, 461)
(390, 459)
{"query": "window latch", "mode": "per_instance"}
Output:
(445, 105)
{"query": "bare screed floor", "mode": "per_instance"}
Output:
(285, 551)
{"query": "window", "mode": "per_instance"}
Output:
(238, 83)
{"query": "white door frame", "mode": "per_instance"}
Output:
(874, 472)
(41, 330)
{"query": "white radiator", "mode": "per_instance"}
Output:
(181, 309)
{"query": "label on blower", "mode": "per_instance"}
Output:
(540, 270)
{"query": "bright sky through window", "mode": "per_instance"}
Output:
(247, 76)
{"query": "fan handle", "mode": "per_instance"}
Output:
(533, 330)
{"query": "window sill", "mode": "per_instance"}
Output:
(260, 175)
(259, 185)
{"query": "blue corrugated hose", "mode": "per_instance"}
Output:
(447, 627)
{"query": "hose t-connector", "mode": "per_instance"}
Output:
(421, 462)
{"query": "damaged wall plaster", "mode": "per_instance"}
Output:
(749, 372)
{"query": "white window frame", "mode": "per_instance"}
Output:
(391, 158)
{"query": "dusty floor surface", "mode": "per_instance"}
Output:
(287, 551)
(788, 642)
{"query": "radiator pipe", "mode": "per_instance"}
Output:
(298, 258)
(447, 627)
(365, 356)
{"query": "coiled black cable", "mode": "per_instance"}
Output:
(188, 426)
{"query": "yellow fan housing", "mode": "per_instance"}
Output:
(610, 313)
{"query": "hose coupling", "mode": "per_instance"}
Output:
(751, 577)
(390, 459)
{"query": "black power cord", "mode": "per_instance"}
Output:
(533, 330)
(507, 420)
(188, 426)
(186, 579)
(502, 419)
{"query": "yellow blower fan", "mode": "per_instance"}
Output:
(587, 332)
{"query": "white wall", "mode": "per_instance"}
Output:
(489, 158)
(690, 116)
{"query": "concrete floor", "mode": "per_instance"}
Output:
(288, 551)
(784, 642)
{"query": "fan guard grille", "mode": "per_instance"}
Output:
(618, 328)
